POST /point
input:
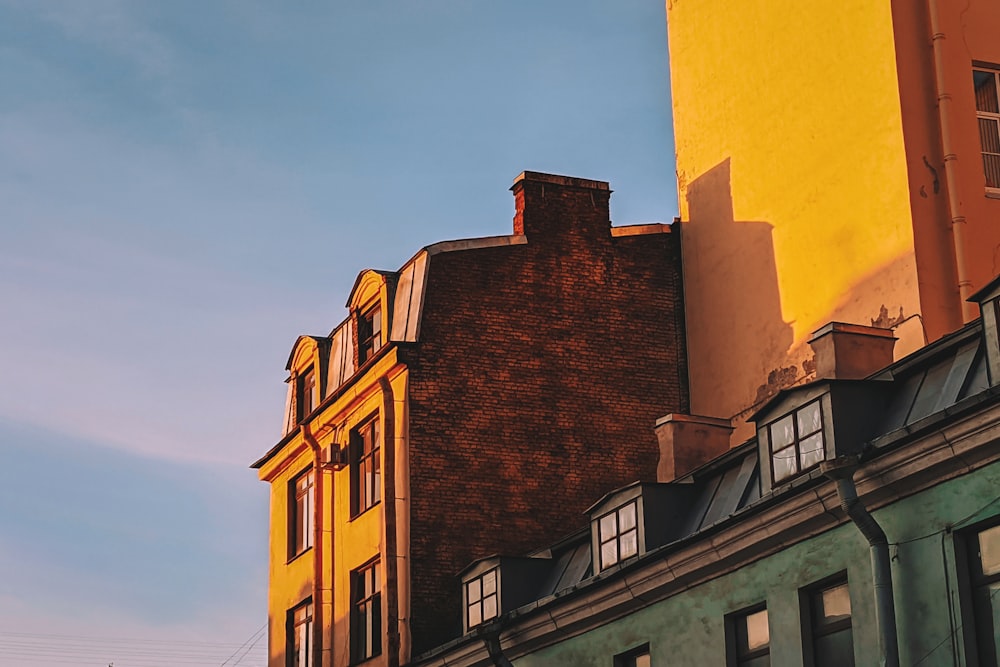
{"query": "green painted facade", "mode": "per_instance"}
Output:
(689, 628)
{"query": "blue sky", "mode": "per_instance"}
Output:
(187, 186)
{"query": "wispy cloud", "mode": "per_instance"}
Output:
(118, 27)
(152, 316)
(89, 531)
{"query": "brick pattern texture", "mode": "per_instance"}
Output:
(535, 385)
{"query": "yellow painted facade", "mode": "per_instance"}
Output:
(813, 182)
(344, 543)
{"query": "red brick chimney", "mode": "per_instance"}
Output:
(550, 205)
(689, 441)
(851, 351)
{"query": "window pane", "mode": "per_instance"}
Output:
(811, 450)
(834, 604)
(986, 601)
(642, 660)
(490, 582)
(809, 419)
(782, 432)
(626, 517)
(835, 649)
(475, 592)
(991, 166)
(985, 84)
(629, 544)
(989, 135)
(609, 553)
(989, 550)
(785, 463)
(607, 526)
(490, 607)
(758, 633)
(475, 616)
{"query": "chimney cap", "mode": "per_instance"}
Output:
(858, 329)
(567, 181)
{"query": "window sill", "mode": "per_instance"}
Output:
(294, 558)
(992, 193)
(365, 511)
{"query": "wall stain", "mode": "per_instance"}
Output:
(937, 182)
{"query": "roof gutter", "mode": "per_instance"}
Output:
(841, 471)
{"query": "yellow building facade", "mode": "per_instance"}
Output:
(836, 161)
(330, 554)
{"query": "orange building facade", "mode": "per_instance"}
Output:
(461, 397)
(836, 161)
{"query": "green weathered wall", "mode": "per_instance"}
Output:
(688, 629)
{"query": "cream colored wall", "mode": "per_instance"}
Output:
(793, 187)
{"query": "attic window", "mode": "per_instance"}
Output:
(796, 441)
(369, 333)
(306, 386)
(481, 599)
(618, 535)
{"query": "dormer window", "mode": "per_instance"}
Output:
(618, 535)
(306, 390)
(482, 600)
(796, 441)
(369, 333)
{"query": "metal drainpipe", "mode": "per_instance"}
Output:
(957, 217)
(389, 512)
(310, 439)
(492, 641)
(841, 470)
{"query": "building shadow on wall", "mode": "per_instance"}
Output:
(738, 343)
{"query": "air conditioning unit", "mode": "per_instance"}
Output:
(335, 457)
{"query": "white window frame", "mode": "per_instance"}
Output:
(302, 502)
(482, 598)
(614, 530)
(300, 637)
(792, 450)
(993, 117)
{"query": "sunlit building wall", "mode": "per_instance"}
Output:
(836, 161)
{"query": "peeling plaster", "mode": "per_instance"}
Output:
(883, 321)
(777, 380)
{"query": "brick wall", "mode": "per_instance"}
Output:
(535, 386)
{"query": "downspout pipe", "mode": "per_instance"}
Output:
(317, 451)
(389, 512)
(841, 470)
(956, 215)
(492, 641)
